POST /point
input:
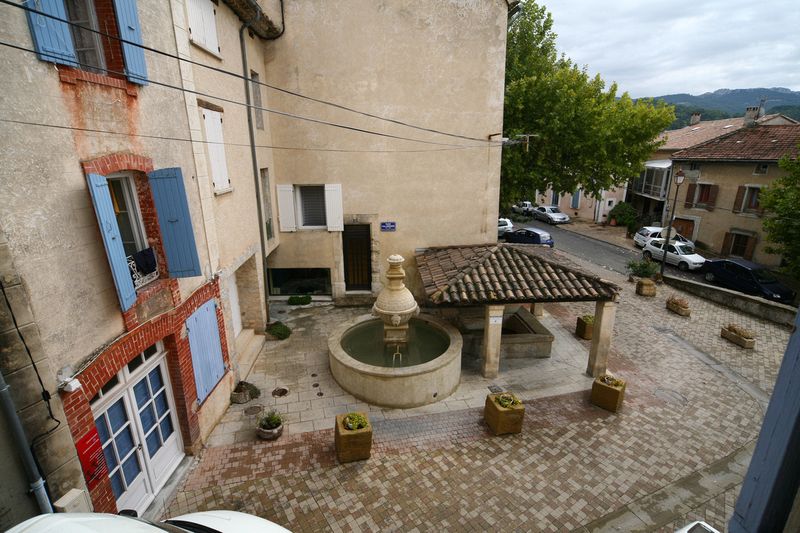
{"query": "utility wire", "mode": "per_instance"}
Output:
(236, 102)
(183, 139)
(236, 75)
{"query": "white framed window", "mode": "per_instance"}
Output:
(203, 25)
(310, 207)
(751, 200)
(576, 199)
(255, 88)
(88, 47)
(215, 148)
(126, 208)
(761, 169)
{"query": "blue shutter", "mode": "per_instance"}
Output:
(203, 331)
(131, 30)
(177, 234)
(52, 38)
(107, 220)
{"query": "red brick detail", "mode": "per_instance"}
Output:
(117, 162)
(74, 75)
(168, 327)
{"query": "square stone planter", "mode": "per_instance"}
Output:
(352, 444)
(678, 310)
(646, 287)
(608, 397)
(503, 420)
(583, 329)
(737, 339)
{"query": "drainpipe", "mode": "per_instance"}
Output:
(35, 479)
(254, 159)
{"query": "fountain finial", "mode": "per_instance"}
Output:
(395, 304)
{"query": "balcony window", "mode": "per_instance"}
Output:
(140, 257)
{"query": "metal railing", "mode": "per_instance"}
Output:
(143, 267)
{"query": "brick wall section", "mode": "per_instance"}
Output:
(112, 48)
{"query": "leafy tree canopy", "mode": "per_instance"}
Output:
(584, 134)
(781, 201)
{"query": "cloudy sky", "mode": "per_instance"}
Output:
(657, 47)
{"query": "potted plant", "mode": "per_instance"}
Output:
(678, 305)
(608, 392)
(739, 335)
(244, 392)
(503, 413)
(644, 269)
(584, 327)
(270, 425)
(353, 437)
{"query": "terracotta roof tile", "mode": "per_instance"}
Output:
(757, 143)
(705, 130)
(505, 273)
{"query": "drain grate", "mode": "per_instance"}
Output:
(280, 391)
(253, 410)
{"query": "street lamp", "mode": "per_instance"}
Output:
(679, 177)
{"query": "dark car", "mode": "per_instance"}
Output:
(530, 236)
(750, 278)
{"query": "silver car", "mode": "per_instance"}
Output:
(550, 214)
(681, 255)
(647, 233)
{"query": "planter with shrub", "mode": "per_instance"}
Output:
(739, 335)
(270, 426)
(503, 413)
(584, 327)
(608, 393)
(244, 392)
(353, 437)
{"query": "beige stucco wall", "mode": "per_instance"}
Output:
(438, 65)
(711, 226)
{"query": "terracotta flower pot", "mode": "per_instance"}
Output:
(502, 420)
(352, 444)
(608, 397)
(583, 329)
(735, 338)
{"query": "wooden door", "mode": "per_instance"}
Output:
(357, 248)
(684, 226)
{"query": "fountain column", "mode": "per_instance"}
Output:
(395, 305)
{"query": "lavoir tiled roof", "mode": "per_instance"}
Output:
(505, 273)
(757, 143)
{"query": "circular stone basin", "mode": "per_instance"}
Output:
(428, 370)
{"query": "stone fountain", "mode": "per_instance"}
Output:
(395, 305)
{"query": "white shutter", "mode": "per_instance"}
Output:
(210, 23)
(216, 150)
(334, 213)
(286, 207)
(197, 27)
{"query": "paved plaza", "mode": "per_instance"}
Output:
(676, 452)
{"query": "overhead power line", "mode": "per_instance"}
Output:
(252, 106)
(241, 77)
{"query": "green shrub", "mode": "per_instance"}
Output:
(507, 399)
(271, 420)
(589, 319)
(279, 330)
(642, 269)
(625, 215)
(300, 300)
(355, 421)
(243, 386)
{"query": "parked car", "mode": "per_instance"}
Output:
(747, 277)
(681, 255)
(523, 208)
(504, 225)
(530, 236)
(657, 232)
(550, 214)
(207, 522)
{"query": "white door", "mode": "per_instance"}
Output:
(137, 425)
(236, 311)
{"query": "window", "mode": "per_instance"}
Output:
(703, 194)
(576, 199)
(255, 88)
(288, 281)
(203, 25)
(761, 168)
(140, 256)
(267, 203)
(694, 166)
(310, 207)
(747, 200)
(751, 199)
(66, 44)
(554, 198)
(215, 148)
(739, 244)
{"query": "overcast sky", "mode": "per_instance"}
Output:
(657, 47)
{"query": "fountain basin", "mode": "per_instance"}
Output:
(401, 386)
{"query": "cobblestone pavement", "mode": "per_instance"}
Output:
(573, 467)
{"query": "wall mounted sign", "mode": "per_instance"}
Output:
(388, 226)
(90, 455)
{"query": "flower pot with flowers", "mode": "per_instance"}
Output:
(503, 413)
(608, 392)
(353, 437)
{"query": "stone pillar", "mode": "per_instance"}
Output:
(492, 331)
(537, 309)
(604, 314)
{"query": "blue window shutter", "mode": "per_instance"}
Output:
(177, 234)
(52, 38)
(107, 220)
(131, 30)
(204, 342)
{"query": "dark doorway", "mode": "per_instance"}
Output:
(357, 257)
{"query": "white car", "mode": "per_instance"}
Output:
(523, 208)
(681, 255)
(550, 214)
(504, 225)
(645, 234)
(207, 522)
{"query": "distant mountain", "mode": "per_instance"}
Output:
(725, 103)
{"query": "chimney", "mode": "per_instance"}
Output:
(751, 114)
(695, 119)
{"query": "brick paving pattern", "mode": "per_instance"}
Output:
(437, 467)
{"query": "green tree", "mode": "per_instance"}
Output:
(583, 135)
(781, 202)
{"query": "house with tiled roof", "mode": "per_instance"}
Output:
(648, 193)
(718, 206)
